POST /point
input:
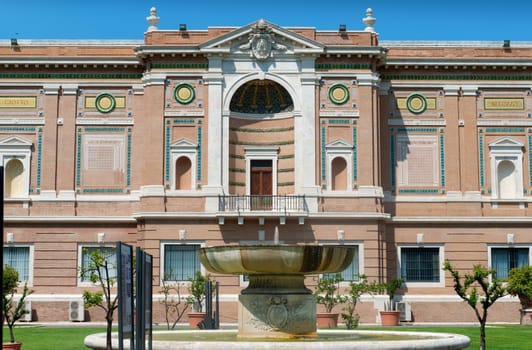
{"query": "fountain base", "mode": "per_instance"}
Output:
(278, 316)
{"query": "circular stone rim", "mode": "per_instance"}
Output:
(438, 341)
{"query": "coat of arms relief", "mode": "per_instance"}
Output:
(261, 42)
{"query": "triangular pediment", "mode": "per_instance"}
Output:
(339, 144)
(15, 142)
(506, 142)
(183, 144)
(241, 40)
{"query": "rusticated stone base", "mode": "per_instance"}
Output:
(277, 316)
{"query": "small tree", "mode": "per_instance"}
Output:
(468, 291)
(98, 271)
(197, 291)
(174, 304)
(391, 288)
(12, 310)
(356, 289)
(520, 285)
(327, 292)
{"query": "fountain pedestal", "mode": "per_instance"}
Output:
(276, 316)
(276, 306)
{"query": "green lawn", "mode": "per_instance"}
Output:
(499, 337)
(41, 338)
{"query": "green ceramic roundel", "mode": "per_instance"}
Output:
(338, 94)
(184, 93)
(105, 102)
(416, 103)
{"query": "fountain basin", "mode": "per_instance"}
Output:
(276, 259)
(394, 341)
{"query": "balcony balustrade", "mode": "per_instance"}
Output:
(252, 203)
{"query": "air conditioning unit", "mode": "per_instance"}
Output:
(76, 311)
(405, 311)
(27, 316)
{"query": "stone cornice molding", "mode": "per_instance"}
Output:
(154, 78)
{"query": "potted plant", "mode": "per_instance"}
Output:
(12, 310)
(327, 295)
(196, 298)
(520, 285)
(390, 316)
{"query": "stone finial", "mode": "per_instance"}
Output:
(369, 21)
(152, 19)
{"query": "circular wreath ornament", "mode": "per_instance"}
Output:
(184, 93)
(416, 103)
(338, 94)
(105, 102)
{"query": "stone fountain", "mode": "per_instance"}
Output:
(276, 304)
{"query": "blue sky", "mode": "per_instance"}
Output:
(396, 19)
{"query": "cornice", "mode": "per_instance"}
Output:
(71, 219)
(461, 219)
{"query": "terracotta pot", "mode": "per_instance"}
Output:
(11, 346)
(390, 318)
(327, 320)
(195, 318)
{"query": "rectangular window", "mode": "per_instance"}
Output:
(421, 265)
(505, 259)
(180, 261)
(18, 257)
(353, 271)
(87, 262)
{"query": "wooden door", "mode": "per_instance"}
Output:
(261, 179)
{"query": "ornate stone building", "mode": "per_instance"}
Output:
(412, 152)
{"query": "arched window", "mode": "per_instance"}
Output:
(14, 178)
(339, 174)
(183, 174)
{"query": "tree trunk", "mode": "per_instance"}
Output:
(482, 337)
(109, 342)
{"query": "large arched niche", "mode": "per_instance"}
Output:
(261, 131)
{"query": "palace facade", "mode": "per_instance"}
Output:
(412, 152)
